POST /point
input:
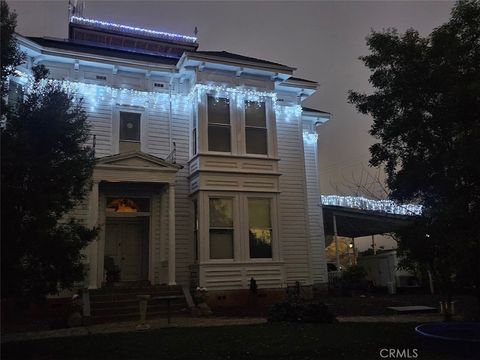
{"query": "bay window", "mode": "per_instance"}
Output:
(219, 127)
(221, 228)
(259, 228)
(255, 128)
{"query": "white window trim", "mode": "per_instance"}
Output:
(233, 128)
(274, 224)
(268, 127)
(116, 126)
(236, 228)
(241, 245)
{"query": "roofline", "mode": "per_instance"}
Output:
(316, 112)
(77, 55)
(234, 62)
(303, 83)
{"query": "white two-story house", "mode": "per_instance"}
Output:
(206, 168)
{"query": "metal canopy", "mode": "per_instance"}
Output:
(357, 223)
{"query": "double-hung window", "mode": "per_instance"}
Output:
(221, 228)
(255, 128)
(260, 228)
(219, 127)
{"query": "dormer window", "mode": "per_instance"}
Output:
(219, 127)
(255, 128)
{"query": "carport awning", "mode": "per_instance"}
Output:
(357, 223)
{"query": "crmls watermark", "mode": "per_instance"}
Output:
(398, 353)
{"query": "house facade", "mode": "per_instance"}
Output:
(206, 169)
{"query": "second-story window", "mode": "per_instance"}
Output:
(129, 131)
(255, 128)
(129, 126)
(219, 127)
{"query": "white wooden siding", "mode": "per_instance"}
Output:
(293, 211)
(183, 205)
(315, 216)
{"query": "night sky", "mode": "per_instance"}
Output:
(321, 39)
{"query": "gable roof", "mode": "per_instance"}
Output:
(139, 158)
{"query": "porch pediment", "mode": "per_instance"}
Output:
(135, 166)
(137, 159)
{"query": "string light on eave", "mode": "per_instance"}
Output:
(359, 202)
(310, 138)
(96, 94)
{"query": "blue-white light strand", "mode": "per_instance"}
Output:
(358, 202)
(95, 94)
(310, 138)
(132, 29)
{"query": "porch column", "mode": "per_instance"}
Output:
(335, 235)
(92, 248)
(171, 234)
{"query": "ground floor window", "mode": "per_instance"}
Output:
(259, 228)
(237, 226)
(221, 228)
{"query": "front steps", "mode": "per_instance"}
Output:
(114, 304)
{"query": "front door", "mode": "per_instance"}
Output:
(127, 243)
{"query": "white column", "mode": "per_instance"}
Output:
(171, 234)
(92, 249)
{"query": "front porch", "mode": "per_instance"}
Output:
(132, 201)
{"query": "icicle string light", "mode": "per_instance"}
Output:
(131, 29)
(95, 94)
(358, 202)
(310, 138)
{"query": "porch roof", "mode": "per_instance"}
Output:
(357, 223)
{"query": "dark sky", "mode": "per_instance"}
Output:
(321, 39)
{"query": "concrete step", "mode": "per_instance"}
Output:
(118, 303)
(135, 309)
(129, 296)
(100, 319)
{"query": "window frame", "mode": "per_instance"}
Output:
(120, 127)
(116, 127)
(265, 128)
(230, 126)
(241, 243)
(234, 229)
(271, 228)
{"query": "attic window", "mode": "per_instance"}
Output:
(101, 77)
(160, 85)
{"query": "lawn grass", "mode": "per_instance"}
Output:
(267, 341)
